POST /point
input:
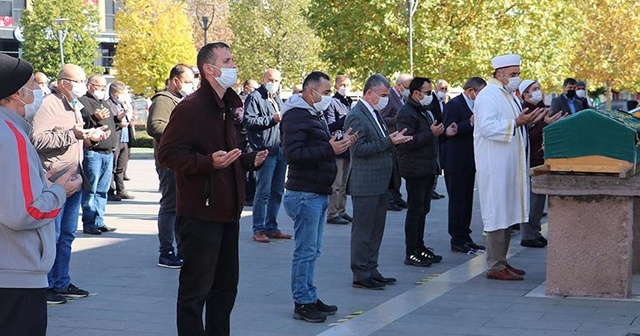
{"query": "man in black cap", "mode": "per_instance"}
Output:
(28, 205)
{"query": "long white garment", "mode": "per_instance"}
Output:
(500, 155)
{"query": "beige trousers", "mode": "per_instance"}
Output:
(497, 249)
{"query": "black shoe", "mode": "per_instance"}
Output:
(438, 195)
(427, 253)
(169, 260)
(464, 248)
(515, 227)
(435, 196)
(543, 240)
(544, 214)
(105, 228)
(325, 308)
(386, 281)
(401, 203)
(54, 298)
(337, 220)
(91, 230)
(126, 178)
(368, 283)
(124, 195)
(393, 207)
(347, 217)
(417, 260)
(476, 246)
(73, 292)
(532, 243)
(248, 203)
(308, 312)
(113, 198)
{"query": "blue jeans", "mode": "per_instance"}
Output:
(98, 169)
(66, 226)
(309, 212)
(269, 190)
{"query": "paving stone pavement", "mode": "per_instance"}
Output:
(132, 296)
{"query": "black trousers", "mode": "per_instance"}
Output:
(460, 190)
(120, 163)
(23, 311)
(419, 191)
(209, 276)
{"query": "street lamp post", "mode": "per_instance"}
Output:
(412, 5)
(61, 36)
(204, 21)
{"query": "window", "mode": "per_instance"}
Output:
(6, 13)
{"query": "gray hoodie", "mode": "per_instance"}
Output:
(28, 207)
(296, 101)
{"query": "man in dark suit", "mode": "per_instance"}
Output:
(568, 102)
(459, 166)
(397, 96)
(581, 92)
(436, 110)
(369, 179)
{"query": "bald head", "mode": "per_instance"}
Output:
(41, 78)
(272, 76)
(403, 81)
(72, 72)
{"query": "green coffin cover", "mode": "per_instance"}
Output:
(592, 132)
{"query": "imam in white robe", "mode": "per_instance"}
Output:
(500, 155)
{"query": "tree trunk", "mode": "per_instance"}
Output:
(609, 95)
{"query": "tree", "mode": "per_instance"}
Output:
(218, 13)
(610, 40)
(274, 34)
(154, 36)
(452, 39)
(80, 46)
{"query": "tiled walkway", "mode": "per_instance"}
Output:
(134, 297)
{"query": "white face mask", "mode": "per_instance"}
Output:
(186, 89)
(78, 90)
(272, 87)
(228, 78)
(441, 95)
(196, 84)
(406, 93)
(382, 103)
(513, 84)
(536, 96)
(323, 104)
(31, 109)
(124, 98)
(45, 90)
(581, 93)
(426, 101)
(343, 91)
(100, 95)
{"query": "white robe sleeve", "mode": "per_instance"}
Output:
(489, 122)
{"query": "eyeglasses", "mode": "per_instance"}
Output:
(75, 81)
(98, 86)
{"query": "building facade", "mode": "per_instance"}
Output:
(11, 13)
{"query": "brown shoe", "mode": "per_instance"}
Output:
(261, 238)
(278, 235)
(516, 270)
(503, 274)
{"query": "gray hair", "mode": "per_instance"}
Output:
(116, 87)
(375, 81)
(475, 83)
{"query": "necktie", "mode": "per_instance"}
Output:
(381, 122)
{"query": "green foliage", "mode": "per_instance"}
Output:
(142, 140)
(154, 36)
(274, 34)
(453, 40)
(41, 45)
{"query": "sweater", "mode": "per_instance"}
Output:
(305, 141)
(28, 206)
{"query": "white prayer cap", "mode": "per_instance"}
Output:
(505, 61)
(525, 85)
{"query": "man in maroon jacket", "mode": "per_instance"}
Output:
(533, 97)
(199, 144)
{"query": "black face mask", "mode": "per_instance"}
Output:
(571, 93)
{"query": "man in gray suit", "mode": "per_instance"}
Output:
(369, 179)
